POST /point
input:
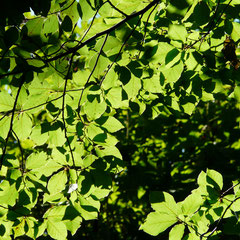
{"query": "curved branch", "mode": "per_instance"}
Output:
(117, 9)
(219, 221)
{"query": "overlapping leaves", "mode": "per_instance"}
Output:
(67, 71)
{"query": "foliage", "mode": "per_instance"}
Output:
(205, 206)
(76, 101)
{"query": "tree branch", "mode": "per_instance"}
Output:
(107, 31)
(11, 122)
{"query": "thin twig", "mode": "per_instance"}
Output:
(85, 33)
(11, 121)
(220, 219)
(229, 189)
(89, 77)
(145, 27)
(21, 150)
(115, 59)
(212, 24)
(63, 109)
(117, 9)
(28, 19)
(107, 31)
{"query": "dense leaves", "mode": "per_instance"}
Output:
(105, 103)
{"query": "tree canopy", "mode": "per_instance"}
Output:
(105, 104)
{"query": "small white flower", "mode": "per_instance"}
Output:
(72, 187)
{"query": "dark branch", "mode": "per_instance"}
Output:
(11, 121)
(111, 65)
(63, 108)
(89, 77)
(117, 9)
(107, 31)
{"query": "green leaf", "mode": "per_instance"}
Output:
(88, 160)
(36, 160)
(6, 229)
(85, 11)
(165, 203)
(67, 24)
(207, 97)
(74, 224)
(124, 74)
(6, 102)
(8, 193)
(73, 11)
(177, 232)
(110, 80)
(190, 11)
(189, 108)
(35, 63)
(153, 84)
(57, 137)
(157, 222)
(38, 136)
(93, 131)
(50, 25)
(101, 66)
(201, 13)
(19, 229)
(88, 207)
(111, 47)
(109, 151)
(32, 227)
(94, 109)
(173, 74)
(56, 229)
(111, 124)
(56, 213)
(57, 182)
(5, 126)
(215, 179)
(237, 93)
(163, 49)
(132, 87)
(49, 168)
(34, 27)
(114, 96)
(172, 57)
(177, 32)
(191, 204)
(28, 197)
(22, 126)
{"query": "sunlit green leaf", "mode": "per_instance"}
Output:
(94, 109)
(177, 32)
(56, 229)
(57, 182)
(6, 101)
(177, 232)
(22, 126)
(157, 222)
